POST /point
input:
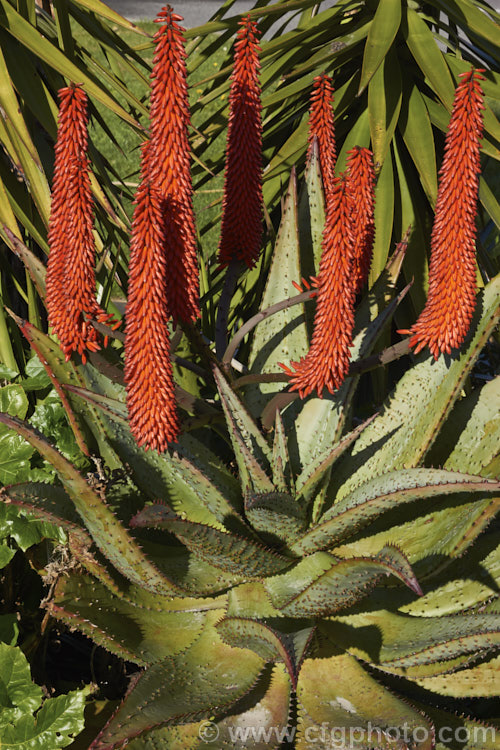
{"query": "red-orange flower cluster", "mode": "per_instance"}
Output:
(70, 281)
(362, 182)
(446, 317)
(322, 128)
(241, 230)
(168, 164)
(327, 361)
(152, 412)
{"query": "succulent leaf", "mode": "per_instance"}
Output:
(282, 336)
(230, 552)
(209, 675)
(480, 681)
(380, 494)
(321, 584)
(139, 629)
(109, 535)
(311, 215)
(408, 428)
(276, 514)
(282, 474)
(268, 642)
(336, 695)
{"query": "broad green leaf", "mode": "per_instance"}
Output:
(382, 493)
(384, 105)
(282, 336)
(417, 408)
(9, 629)
(416, 129)
(282, 471)
(342, 703)
(210, 673)
(381, 35)
(16, 688)
(15, 452)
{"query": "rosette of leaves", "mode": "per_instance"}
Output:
(286, 565)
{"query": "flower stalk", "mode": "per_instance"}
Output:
(327, 361)
(322, 128)
(362, 181)
(148, 372)
(70, 282)
(447, 315)
(241, 229)
(167, 165)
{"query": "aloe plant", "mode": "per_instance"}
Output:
(312, 574)
(280, 568)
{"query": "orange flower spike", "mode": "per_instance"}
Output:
(168, 164)
(70, 279)
(148, 373)
(446, 317)
(241, 230)
(327, 361)
(362, 180)
(322, 127)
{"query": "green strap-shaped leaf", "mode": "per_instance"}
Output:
(416, 128)
(337, 696)
(384, 105)
(383, 216)
(268, 642)
(31, 38)
(281, 337)
(321, 584)
(429, 58)
(25, 153)
(209, 674)
(230, 552)
(382, 493)
(141, 632)
(109, 535)
(382, 33)
(417, 408)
